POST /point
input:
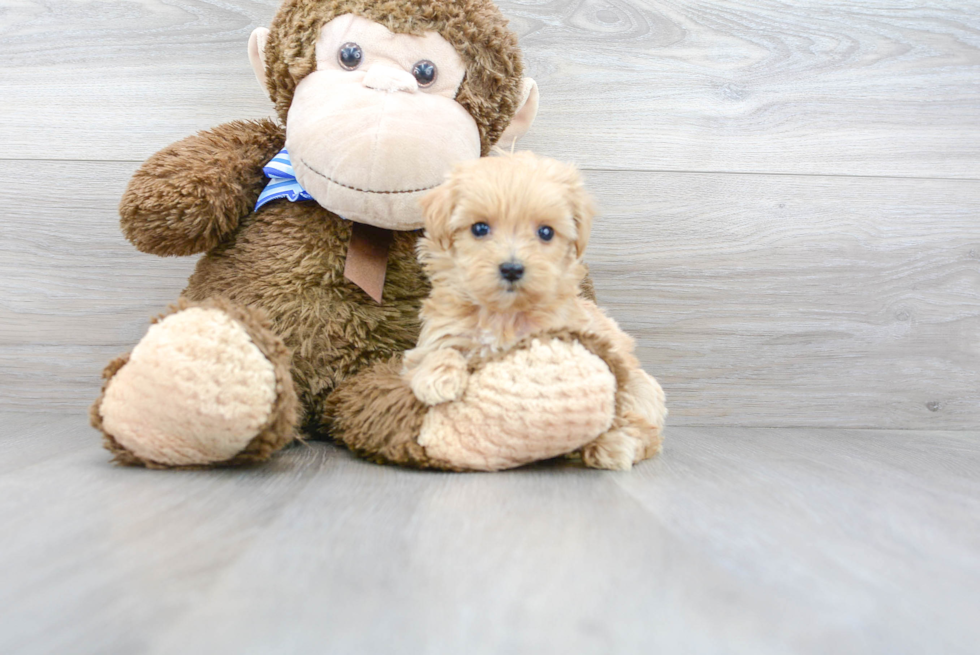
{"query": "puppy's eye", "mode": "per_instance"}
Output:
(546, 233)
(350, 55)
(424, 72)
(480, 229)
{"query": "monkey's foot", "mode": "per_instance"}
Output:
(207, 385)
(536, 402)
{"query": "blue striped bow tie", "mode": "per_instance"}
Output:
(282, 181)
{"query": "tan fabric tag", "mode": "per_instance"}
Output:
(367, 258)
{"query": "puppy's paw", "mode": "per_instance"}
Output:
(616, 449)
(441, 377)
(644, 396)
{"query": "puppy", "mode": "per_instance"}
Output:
(503, 245)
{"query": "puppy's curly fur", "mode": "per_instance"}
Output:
(503, 248)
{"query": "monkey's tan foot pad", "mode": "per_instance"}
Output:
(196, 390)
(543, 400)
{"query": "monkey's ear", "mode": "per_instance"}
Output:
(522, 120)
(256, 54)
(437, 208)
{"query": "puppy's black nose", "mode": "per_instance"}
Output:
(512, 271)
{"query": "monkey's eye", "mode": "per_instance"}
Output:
(349, 56)
(480, 229)
(546, 233)
(424, 72)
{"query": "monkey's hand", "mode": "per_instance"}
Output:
(440, 377)
(186, 198)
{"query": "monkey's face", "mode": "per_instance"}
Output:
(376, 125)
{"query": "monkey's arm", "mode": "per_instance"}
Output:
(190, 195)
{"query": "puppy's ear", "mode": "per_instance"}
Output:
(437, 209)
(583, 209)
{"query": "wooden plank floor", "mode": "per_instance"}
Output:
(735, 540)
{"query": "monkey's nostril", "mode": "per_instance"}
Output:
(512, 271)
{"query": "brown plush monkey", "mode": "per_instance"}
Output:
(297, 313)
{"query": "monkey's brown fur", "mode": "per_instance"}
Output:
(279, 272)
(188, 197)
(289, 260)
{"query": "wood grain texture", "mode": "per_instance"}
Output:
(756, 300)
(752, 86)
(789, 300)
(735, 540)
(833, 88)
(73, 292)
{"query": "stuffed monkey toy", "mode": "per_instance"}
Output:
(309, 287)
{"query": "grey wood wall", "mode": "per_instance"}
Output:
(790, 192)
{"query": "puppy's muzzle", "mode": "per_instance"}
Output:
(512, 271)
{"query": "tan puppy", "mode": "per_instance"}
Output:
(503, 247)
